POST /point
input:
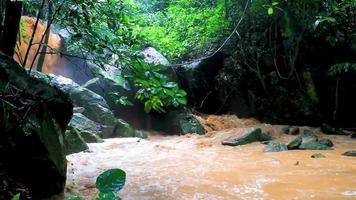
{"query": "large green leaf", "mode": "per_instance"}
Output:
(112, 180)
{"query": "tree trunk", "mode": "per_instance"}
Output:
(11, 26)
(45, 43)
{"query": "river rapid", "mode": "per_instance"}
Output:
(199, 167)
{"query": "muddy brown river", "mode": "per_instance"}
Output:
(199, 167)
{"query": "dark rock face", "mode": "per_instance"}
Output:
(255, 135)
(329, 130)
(31, 147)
(198, 80)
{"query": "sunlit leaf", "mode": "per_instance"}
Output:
(112, 180)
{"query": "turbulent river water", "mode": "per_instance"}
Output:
(199, 167)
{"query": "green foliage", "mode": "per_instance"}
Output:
(105, 33)
(183, 26)
(108, 183)
(155, 89)
(341, 68)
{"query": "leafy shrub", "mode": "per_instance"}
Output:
(155, 89)
(183, 26)
(340, 68)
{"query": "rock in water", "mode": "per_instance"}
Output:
(326, 142)
(350, 153)
(275, 146)
(32, 152)
(295, 143)
(318, 155)
(314, 146)
(253, 136)
(311, 142)
(309, 136)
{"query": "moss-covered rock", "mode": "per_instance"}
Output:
(74, 142)
(32, 131)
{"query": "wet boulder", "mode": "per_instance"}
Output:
(326, 142)
(314, 146)
(32, 151)
(176, 121)
(255, 135)
(311, 142)
(350, 153)
(295, 143)
(275, 146)
(309, 136)
(74, 142)
(122, 129)
(95, 108)
(87, 129)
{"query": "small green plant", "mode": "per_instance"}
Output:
(108, 183)
(16, 197)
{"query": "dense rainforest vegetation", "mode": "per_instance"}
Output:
(130, 65)
(273, 48)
